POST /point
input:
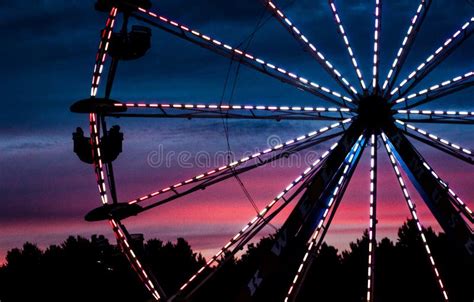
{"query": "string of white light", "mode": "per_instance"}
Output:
(310, 46)
(375, 68)
(436, 112)
(373, 218)
(231, 107)
(347, 43)
(455, 38)
(315, 235)
(411, 32)
(435, 138)
(235, 52)
(241, 161)
(261, 214)
(436, 87)
(414, 215)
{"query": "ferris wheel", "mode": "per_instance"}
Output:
(375, 110)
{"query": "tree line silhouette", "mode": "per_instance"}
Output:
(80, 269)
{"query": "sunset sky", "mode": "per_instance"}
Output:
(47, 58)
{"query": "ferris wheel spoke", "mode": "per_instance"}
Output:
(261, 216)
(434, 59)
(439, 120)
(333, 200)
(437, 91)
(311, 48)
(207, 111)
(241, 56)
(270, 278)
(458, 201)
(236, 171)
(147, 279)
(438, 142)
(438, 116)
(376, 56)
(414, 215)
(258, 226)
(258, 156)
(413, 29)
(342, 31)
(441, 203)
(373, 218)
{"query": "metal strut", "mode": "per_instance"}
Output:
(435, 195)
(269, 281)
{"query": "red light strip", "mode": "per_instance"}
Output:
(457, 36)
(314, 237)
(348, 45)
(435, 138)
(411, 206)
(99, 168)
(94, 131)
(132, 258)
(102, 51)
(436, 87)
(260, 215)
(373, 220)
(408, 37)
(241, 161)
(244, 55)
(308, 45)
(230, 107)
(375, 71)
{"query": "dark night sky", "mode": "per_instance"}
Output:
(47, 58)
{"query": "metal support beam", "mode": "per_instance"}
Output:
(271, 279)
(437, 198)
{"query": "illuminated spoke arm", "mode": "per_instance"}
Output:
(458, 201)
(189, 111)
(123, 239)
(285, 21)
(261, 216)
(439, 143)
(93, 123)
(313, 244)
(241, 56)
(437, 116)
(233, 172)
(342, 31)
(437, 91)
(414, 215)
(413, 29)
(434, 59)
(259, 156)
(376, 56)
(373, 218)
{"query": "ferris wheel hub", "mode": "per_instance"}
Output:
(375, 111)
